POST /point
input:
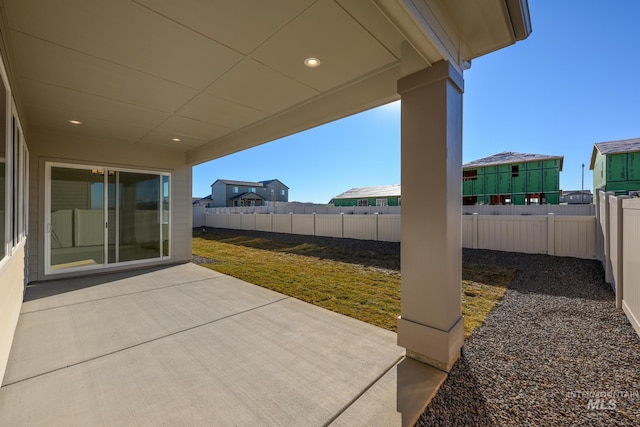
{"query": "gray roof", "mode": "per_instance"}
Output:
(243, 183)
(269, 181)
(615, 147)
(248, 196)
(364, 192)
(509, 157)
(622, 146)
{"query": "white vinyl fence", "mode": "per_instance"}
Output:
(363, 227)
(573, 236)
(570, 210)
(618, 236)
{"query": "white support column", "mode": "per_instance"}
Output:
(431, 326)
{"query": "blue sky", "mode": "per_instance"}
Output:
(572, 83)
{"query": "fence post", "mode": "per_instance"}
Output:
(290, 222)
(551, 234)
(474, 230)
(314, 223)
(377, 218)
(619, 267)
(607, 239)
(342, 223)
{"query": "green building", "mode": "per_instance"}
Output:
(385, 195)
(512, 178)
(616, 166)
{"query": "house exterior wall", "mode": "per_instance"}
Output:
(513, 180)
(222, 193)
(371, 201)
(68, 148)
(11, 289)
(619, 172)
(218, 194)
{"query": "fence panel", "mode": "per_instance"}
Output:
(198, 217)
(362, 227)
(575, 236)
(468, 230)
(263, 222)
(281, 223)
(389, 228)
(303, 224)
(329, 225)
(248, 221)
(235, 221)
(513, 233)
(631, 261)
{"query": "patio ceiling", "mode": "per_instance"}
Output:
(223, 75)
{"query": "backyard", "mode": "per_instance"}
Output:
(360, 280)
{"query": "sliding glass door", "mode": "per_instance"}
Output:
(100, 216)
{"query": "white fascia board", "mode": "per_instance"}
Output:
(425, 25)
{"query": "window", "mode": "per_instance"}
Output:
(282, 192)
(252, 190)
(382, 202)
(235, 190)
(363, 202)
(468, 175)
(99, 216)
(515, 171)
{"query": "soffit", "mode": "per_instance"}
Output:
(213, 73)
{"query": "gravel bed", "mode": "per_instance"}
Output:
(554, 345)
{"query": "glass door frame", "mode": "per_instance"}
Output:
(162, 175)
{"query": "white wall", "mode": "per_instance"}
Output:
(11, 288)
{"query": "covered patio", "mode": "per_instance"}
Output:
(108, 105)
(184, 345)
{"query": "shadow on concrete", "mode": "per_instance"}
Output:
(47, 288)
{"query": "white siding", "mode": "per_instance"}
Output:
(11, 288)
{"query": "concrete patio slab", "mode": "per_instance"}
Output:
(184, 345)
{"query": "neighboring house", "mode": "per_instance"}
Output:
(201, 202)
(385, 195)
(512, 178)
(577, 197)
(225, 192)
(616, 166)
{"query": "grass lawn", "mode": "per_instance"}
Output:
(361, 284)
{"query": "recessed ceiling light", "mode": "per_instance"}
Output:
(75, 122)
(175, 139)
(312, 62)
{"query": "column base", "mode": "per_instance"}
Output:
(432, 346)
